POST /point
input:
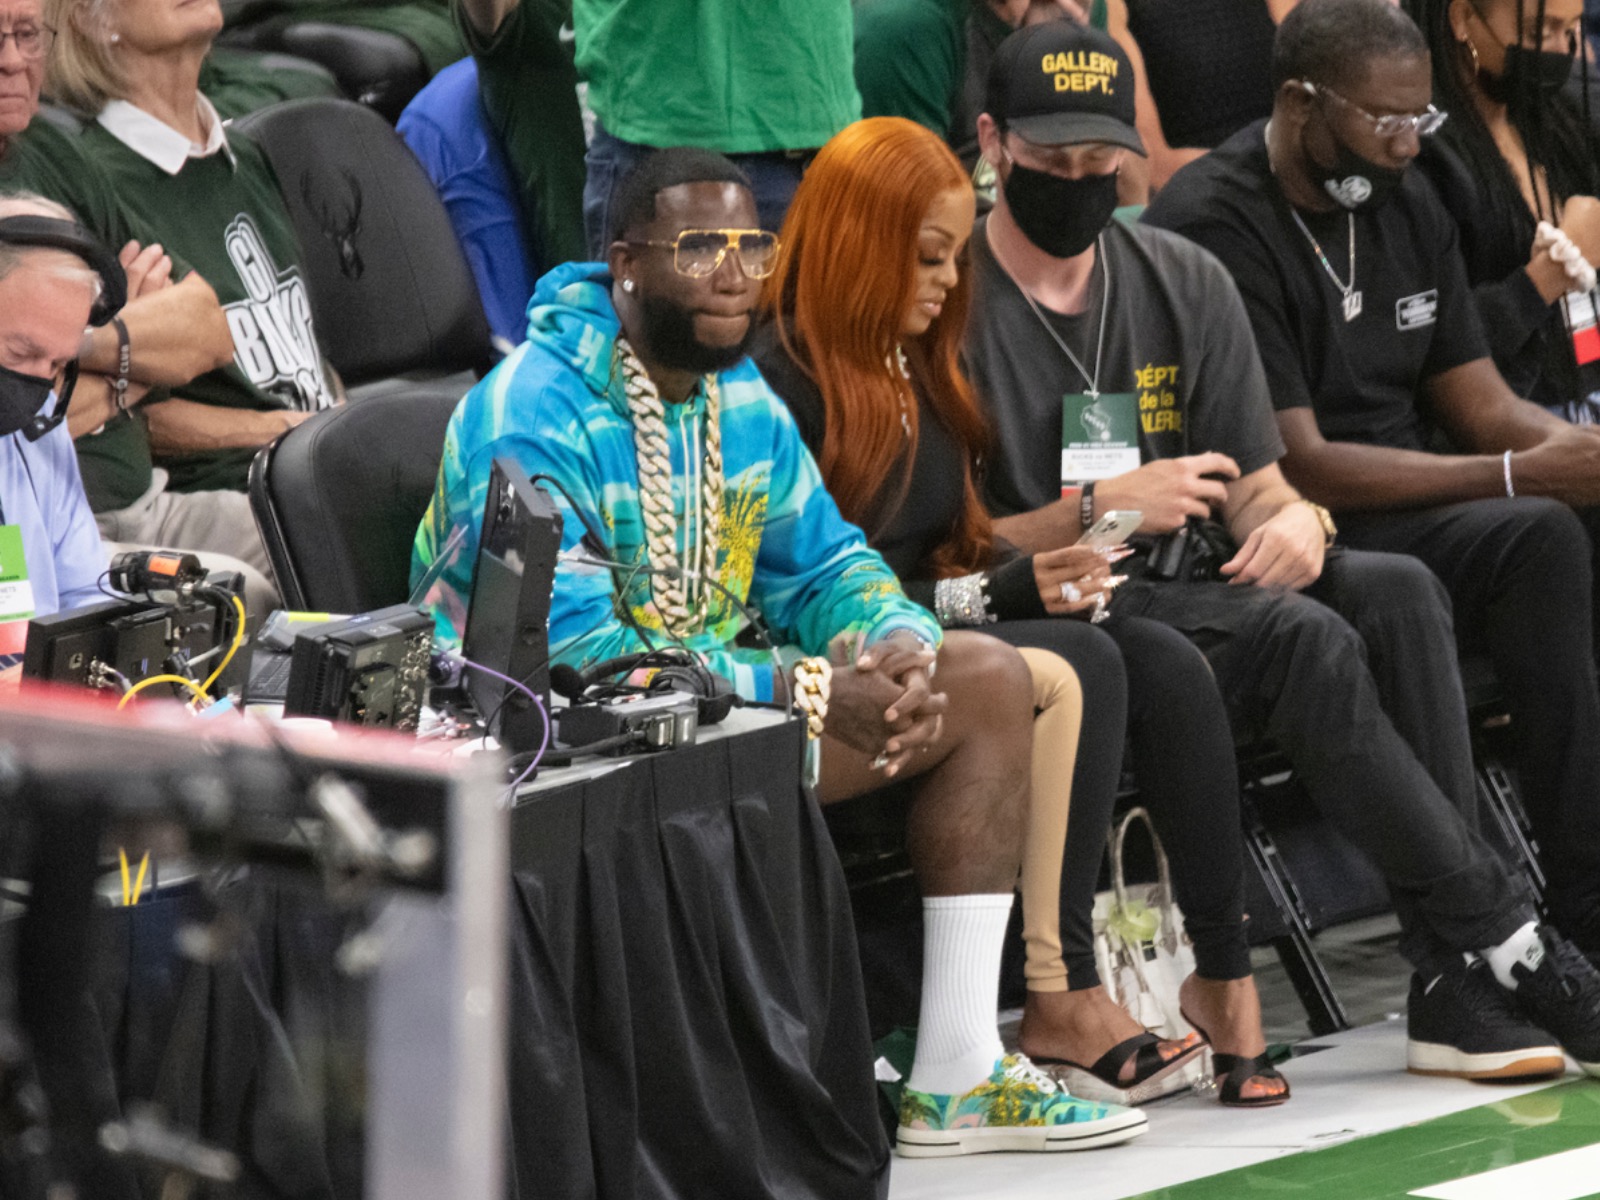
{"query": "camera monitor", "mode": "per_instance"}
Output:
(508, 618)
(119, 642)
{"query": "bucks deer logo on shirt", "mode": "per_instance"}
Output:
(274, 343)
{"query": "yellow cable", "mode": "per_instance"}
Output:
(238, 640)
(131, 893)
(154, 679)
(138, 882)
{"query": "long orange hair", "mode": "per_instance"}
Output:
(839, 294)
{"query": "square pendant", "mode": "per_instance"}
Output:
(1352, 305)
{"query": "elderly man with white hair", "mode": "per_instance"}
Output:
(53, 278)
(172, 331)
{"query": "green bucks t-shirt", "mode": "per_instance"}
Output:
(740, 76)
(226, 218)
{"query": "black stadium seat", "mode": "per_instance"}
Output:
(338, 500)
(390, 290)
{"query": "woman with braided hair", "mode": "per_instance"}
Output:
(867, 308)
(1518, 165)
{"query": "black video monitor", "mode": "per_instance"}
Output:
(92, 645)
(76, 646)
(509, 615)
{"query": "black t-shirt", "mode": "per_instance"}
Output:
(1209, 65)
(909, 518)
(1363, 378)
(1176, 337)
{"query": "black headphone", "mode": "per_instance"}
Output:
(55, 234)
(677, 670)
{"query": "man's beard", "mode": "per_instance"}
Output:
(669, 339)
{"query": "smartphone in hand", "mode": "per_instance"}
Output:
(1112, 529)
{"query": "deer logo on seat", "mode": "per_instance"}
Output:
(338, 223)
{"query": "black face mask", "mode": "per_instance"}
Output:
(1060, 216)
(22, 398)
(1530, 77)
(669, 333)
(1355, 182)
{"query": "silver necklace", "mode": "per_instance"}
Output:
(899, 362)
(1092, 379)
(1352, 298)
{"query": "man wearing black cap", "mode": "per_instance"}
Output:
(1120, 372)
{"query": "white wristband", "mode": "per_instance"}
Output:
(1505, 462)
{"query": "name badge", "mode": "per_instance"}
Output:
(1581, 319)
(16, 594)
(1099, 436)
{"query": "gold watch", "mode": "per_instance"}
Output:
(1325, 518)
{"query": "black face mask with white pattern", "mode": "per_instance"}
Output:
(1354, 181)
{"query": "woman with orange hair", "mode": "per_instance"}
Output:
(865, 315)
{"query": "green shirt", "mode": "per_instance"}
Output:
(226, 218)
(43, 159)
(530, 91)
(910, 55)
(739, 76)
(928, 60)
(241, 81)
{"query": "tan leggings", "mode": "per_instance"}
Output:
(1058, 700)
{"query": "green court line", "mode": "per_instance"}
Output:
(1389, 1165)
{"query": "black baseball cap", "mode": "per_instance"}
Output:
(1059, 82)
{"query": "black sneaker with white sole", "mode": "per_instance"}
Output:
(1561, 995)
(1464, 1024)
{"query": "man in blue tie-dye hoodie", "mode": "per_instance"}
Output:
(633, 396)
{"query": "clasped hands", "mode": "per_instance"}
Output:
(883, 702)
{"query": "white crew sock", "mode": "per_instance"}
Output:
(957, 1042)
(1523, 947)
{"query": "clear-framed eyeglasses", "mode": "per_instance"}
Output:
(1423, 124)
(699, 252)
(33, 42)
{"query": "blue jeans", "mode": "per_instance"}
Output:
(773, 179)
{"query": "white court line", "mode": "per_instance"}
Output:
(1564, 1176)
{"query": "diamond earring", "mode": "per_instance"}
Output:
(627, 286)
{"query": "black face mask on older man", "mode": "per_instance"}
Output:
(22, 401)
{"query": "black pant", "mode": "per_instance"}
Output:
(1146, 678)
(1356, 679)
(1519, 576)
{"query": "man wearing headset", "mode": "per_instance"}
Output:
(54, 280)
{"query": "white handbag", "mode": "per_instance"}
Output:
(1143, 954)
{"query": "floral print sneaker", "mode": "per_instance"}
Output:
(1018, 1107)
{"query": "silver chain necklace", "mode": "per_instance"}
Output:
(1093, 380)
(898, 363)
(1352, 298)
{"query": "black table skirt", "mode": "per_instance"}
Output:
(687, 1018)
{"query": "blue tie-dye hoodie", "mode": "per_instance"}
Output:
(556, 405)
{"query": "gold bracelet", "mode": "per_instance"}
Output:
(813, 679)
